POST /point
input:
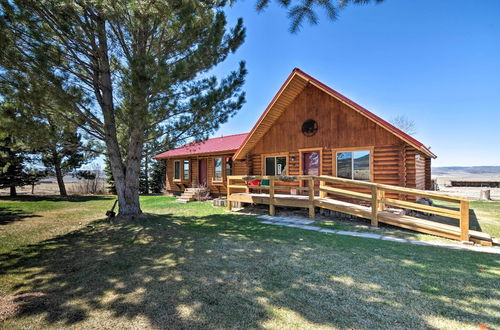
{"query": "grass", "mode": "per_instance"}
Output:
(488, 214)
(196, 266)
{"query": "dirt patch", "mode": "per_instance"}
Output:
(15, 304)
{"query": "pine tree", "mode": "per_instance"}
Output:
(14, 160)
(160, 53)
(64, 152)
(301, 10)
(144, 178)
(158, 176)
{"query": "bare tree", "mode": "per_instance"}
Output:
(405, 124)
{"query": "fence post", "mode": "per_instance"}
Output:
(311, 197)
(464, 220)
(381, 201)
(375, 206)
(272, 209)
(228, 201)
(322, 194)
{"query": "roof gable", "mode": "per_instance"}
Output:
(293, 86)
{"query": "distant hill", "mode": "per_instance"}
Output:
(487, 171)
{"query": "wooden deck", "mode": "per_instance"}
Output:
(376, 213)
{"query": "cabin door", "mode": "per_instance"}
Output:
(202, 172)
(311, 164)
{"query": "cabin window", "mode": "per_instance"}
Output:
(218, 169)
(275, 166)
(177, 169)
(185, 170)
(354, 165)
(229, 167)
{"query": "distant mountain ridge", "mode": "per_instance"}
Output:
(467, 170)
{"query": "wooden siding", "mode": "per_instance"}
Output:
(428, 172)
(338, 126)
(420, 171)
(415, 168)
(387, 165)
(393, 161)
(176, 187)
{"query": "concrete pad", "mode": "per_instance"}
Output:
(300, 221)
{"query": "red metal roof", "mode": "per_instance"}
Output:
(228, 143)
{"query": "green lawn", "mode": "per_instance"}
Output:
(196, 266)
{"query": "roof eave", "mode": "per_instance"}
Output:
(232, 151)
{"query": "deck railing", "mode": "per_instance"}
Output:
(374, 194)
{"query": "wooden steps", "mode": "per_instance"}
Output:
(387, 217)
(190, 194)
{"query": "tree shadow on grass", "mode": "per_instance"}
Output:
(229, 271)
(10, 214)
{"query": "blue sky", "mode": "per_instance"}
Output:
(437, 62)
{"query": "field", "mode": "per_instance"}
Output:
(196, 266)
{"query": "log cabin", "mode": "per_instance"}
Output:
(307, 129)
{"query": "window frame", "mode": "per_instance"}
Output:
(221, 170)
(184, 170)
(281, 155)
(370, 165)
(177, 161)
(229, 164)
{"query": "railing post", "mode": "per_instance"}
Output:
(322, 194)
(272, 209)
(464, 220)
(228, 201)
(375, 206)
(311, 197)
(381, 201)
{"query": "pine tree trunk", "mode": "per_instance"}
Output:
(125, 173)
(59, 175)
(60, 182)
(146, 172)
(13, 192)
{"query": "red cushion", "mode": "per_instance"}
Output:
(254, 183)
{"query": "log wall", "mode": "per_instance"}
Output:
(393, 161)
